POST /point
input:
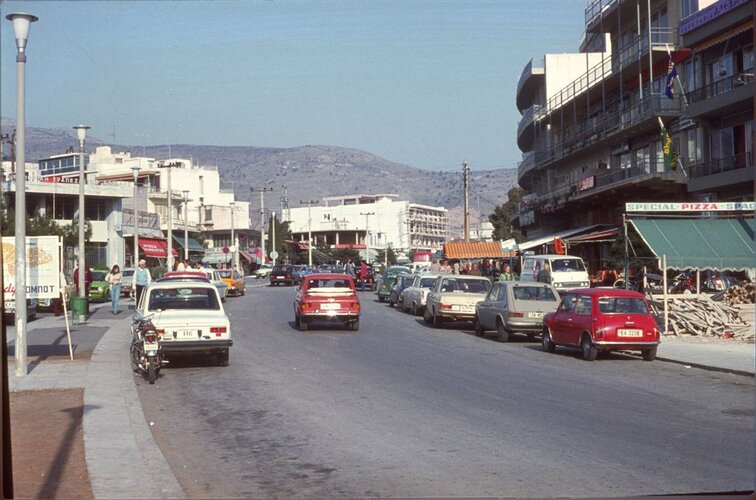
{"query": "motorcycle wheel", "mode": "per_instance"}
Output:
(151, 370)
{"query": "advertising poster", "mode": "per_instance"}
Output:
(42, 267)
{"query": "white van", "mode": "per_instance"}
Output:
(566, 271)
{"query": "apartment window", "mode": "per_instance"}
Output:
(722, 144)
(691, 74)
(658, 156)
(694, 143)
(689, 7)
(642, 160)
(208, 215)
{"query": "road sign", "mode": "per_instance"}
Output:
(274, 255)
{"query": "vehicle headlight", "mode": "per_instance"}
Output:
(102, 288)
(584, 284)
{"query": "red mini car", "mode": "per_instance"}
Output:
(327, 297)
(602, 319)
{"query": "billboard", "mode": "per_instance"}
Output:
(42, 267)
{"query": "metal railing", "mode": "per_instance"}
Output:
(595, 8)
(720, 87)
(527, 118)
(720, 165)
(528, 70)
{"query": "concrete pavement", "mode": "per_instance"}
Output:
(122, 457)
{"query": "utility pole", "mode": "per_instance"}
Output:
(309, 204)
(169, 258)
(465, 175)
(367, 245)
(273, 231)
(262, 191)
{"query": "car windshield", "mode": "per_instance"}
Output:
(538, 293)
(98, 275)
(427, 282)
(622, 305)
(566, 265)
(225, 273)
(165, 299)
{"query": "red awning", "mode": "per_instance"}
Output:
(155, 248)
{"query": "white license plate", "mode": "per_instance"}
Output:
(186, 334)
(150, 347)
(537, 315)
(331, 307)
(279, 277)
(630, 332)
(463, 309)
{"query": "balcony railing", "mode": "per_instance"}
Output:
(661, 39)
(720, 87)
(528, 71)
(720, 165)
(610, 122)
(527, 118)
(594, 9)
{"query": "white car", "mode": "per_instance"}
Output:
(215, 279)
(264, 271)
(413, 298)
(188, 316)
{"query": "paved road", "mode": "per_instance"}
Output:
(401, 409)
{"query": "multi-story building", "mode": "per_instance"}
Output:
(595, 143)
(371, 221)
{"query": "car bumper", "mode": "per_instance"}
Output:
(455, 316)
(169, 346)
(337, 316)
(524, 326)
(623, 345)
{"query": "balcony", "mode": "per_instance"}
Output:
(720, 165)
(595, 8)
(662, 39)
(719, 173)
(525, 128)
(616, 121)
(721, 98)
(528, 83)
(527, 165)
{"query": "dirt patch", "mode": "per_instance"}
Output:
(48, 444)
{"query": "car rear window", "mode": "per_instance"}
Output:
(225, 273)
(465, 286)
(622, 305)
(282, 269)
(315, 283)
(537, 293)
(165, 299)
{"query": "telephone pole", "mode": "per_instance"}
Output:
(465, 175)
(169, 197)
(309, 204)
(367, 246)
(262, 191)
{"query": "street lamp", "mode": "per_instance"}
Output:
(135, 171)
(309, 204)
(367, 245)
(81, 133)
(21, 23)
(233, 236)
(169, 257)
(186, 224)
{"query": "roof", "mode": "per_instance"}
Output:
(473, 250)
(715, 244)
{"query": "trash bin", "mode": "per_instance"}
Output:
(79, 307)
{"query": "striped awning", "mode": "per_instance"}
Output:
(473, 250)
(725, 36)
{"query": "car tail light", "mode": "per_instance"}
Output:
(446, 307)
(355, 306)
(513, 314)
(306, 306)
(151, 337)
(160, 331)
(218, 330)
(288, 276)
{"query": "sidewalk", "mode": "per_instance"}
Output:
(122, 458)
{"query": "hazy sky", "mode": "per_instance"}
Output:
(425, 83)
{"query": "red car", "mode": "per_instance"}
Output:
(327, 297)
(602, 319)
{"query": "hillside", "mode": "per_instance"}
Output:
(308, 172)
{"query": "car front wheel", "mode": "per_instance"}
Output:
(548, 345)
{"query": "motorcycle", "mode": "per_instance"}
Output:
(682, 283)
(146, 353)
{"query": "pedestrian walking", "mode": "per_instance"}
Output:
(350, 268)
(506, 274)
(114, 279)
(142, 278)
(363, 275)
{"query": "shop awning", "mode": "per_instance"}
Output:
(155, 248)
(715, 244)
(194, 245)
(546, 240)
(216, 258)
(248, 256)
(725, 36)
(599, 236)
(473, 250)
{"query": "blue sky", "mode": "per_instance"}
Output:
(425, 83)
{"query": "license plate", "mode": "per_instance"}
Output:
(186, 334)
(463, 308)
(150, 347)
(280, 277)
(331, 307)
(537, 315)
(630, 332)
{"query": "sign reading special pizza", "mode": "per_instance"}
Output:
(42, 267)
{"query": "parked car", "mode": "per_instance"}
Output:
(454, 297)
(127, 283)
(9, 309)
(211, 275)
(602, 319)
(565, 271)
(515, 307)
(99, 289)
(233, 280)
(263, 271)
(282, 274)
(414, 297)
(189, 317)
(301, 270)
(327, 297)
(402, 282)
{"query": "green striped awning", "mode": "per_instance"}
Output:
(194, 245)
(715, 244)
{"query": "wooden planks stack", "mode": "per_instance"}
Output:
(701, 316)
(741, 294)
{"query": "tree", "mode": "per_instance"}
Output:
(283, 233)
(390, 257)
(501, 216)
(71, 232)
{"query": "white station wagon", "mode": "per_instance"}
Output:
(188, 316)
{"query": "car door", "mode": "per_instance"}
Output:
(561, 321)
(485, 307)
(581, 318)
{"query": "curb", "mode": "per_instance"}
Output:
(706, 367)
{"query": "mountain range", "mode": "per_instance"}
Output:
(309, 172)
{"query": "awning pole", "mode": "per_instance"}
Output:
(627, 263)
(664, 284)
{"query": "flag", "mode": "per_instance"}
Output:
(670, 155)
(671, 75)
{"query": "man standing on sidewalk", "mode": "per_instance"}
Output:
(142, 278)
(363, 275)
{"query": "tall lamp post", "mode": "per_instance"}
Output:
(169, 257)
(367, 246)
(135, 171)
(21, 23)
(81, 133)
(186, 224)
(262, 191)
(233, 236)
(309, 204)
